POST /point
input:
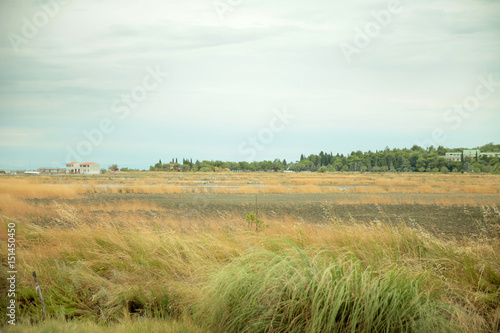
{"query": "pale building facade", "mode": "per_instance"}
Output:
(87, 168)
(468, 153)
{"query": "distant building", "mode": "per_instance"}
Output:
(456, 157)
(472, 153)
(73, 167)
(490, 154)
(468, 153)
(476, 153)
(50, 170)
(87, 168)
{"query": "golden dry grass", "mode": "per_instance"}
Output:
(101, 255)
(110, 260)
(11, 205)
(15, 190)
(36, 188)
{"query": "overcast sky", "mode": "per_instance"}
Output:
(129, 82)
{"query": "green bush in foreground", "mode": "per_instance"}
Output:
(290, 292)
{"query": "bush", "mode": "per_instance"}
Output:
(254, 223)
(323, 169)
(496, 169)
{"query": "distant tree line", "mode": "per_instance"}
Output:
(208, 166)
(415, 159)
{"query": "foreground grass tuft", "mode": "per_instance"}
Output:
(290, 291)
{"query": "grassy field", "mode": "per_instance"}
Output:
(151, 252)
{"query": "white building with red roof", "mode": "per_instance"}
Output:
(86, 168)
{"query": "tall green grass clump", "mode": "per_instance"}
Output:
(291, 291)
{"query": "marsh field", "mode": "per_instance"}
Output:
(322, 252)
